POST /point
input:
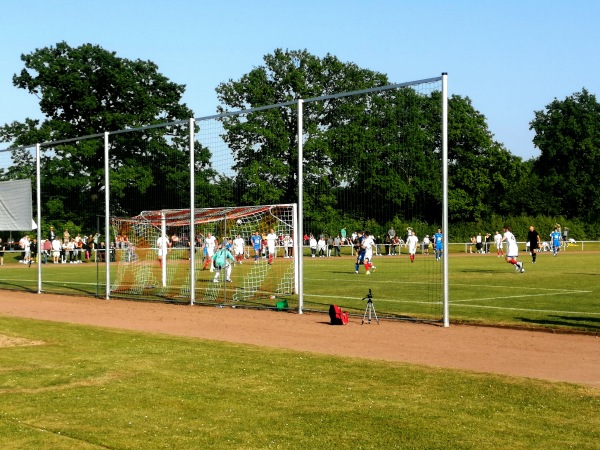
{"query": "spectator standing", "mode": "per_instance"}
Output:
(479, 243)
(312, 242)
(337, 246)
(2, 250)
(321, 247)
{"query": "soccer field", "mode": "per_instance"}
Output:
(557, 292)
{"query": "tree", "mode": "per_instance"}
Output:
(567, 133)
(85, 91)
(481, 171)
(356, 161)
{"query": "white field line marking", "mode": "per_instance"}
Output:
(527, 309)
(543, 294)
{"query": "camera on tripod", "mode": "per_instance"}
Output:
(370, 309)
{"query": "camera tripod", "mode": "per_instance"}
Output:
(370, 309)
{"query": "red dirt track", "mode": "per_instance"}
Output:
(572, 358)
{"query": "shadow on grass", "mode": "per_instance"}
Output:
(566, 322)
(478, 271)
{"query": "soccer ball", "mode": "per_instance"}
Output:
(239, 221)
(273, 297)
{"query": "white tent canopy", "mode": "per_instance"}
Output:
(16, 206)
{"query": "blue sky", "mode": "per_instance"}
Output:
(510, 58)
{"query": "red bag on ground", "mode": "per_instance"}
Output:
(337, 315)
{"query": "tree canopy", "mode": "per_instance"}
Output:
(85, 91)
(567, 133)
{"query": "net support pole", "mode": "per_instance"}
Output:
(192, 217)
(107, 215)
(163, 247)
(300, 233)
(446, 313)
(38, 200)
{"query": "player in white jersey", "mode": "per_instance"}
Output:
(498, 242)
(210, 244)
(512, 251)
(412, 242)
(271, 243)
(162, 246)
(368, 244)
(238, 248)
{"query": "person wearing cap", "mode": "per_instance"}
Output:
(220, 260)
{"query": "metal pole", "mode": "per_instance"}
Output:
(446, 317)
(38, 200)
(192, 217)
(107, 214)
(300, 234)
(163, 247)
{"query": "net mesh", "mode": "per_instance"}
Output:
(262, 269)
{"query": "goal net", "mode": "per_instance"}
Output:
(154, 255)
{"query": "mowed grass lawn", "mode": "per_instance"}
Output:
(78, 387)
(560, 292)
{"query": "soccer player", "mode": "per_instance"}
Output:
(498, 242)
(512, 251)
(238, 248)
(438, 240)
(360, 251)
(210, 244)
(256, 240)
(533, 237)
(220, 261)
(271, 242)
(555, 236)
(368, 244)
(412, 242)
(162, 244)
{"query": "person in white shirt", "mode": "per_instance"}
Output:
(288, 245)
(271, 243)
(321, 247)
(238, 248)
(162, 245)
(498, 242)
(368, 243)
(56, 248)
(210, 244)
(313, 246)
(512, 251)
(412, 242)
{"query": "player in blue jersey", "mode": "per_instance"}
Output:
(256, 241)
(555, 237)
(438, 241)
(360, 251)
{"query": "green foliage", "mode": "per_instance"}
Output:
(568, 136)
(85, 91)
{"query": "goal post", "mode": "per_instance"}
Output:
(154, 255)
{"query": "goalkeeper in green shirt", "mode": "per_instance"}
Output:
(220, 260)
